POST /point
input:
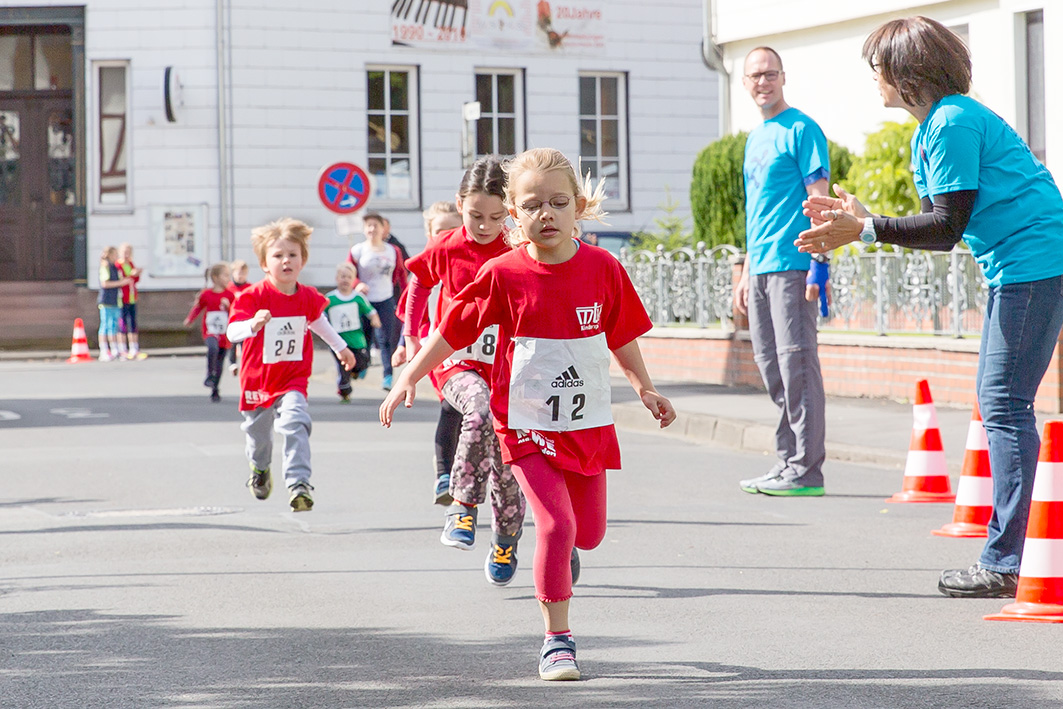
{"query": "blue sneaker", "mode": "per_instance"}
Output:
(557, 659)
(459, 528)
(443, 496)
(361, 374)
(501, 564)
(385, 383)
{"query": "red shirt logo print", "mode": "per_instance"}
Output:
(589, 318)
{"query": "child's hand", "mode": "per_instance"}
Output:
(259, 321)
(362, 288)
(347, 358)
(660, 407)
(402, 392)
(398, 357)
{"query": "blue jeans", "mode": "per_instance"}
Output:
(1022, 323)
(388, 334)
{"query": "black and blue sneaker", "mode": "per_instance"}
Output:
(442, 491)
(573, 563)
(459, 527)
(501, 564)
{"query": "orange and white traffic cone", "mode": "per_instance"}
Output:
(79, 346)
(1039, 597)
(926, 472)
(974, 493)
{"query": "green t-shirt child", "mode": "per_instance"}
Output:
(345, 314)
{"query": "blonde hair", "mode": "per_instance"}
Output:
(237, 265)
(346, 267)
(287, 228)
(437, 209)
(216, 270)
(548, 160)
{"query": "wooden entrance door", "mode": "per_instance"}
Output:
(37, 172)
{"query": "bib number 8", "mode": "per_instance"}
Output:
(578, 402)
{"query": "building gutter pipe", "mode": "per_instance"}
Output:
(712, 55)
(224, 186)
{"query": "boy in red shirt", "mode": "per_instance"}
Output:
(214, 303)
(274, 319)
(127, 320)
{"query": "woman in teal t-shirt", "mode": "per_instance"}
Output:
(978, 181)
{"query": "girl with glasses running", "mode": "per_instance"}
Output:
(561, 307)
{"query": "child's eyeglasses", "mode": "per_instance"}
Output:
(535, 206)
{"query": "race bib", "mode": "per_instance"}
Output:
(483, 350)
(284, 340)
(217, 321)
(560, 385)
(345, 318)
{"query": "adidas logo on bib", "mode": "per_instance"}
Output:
(567, 378)
(286, 329)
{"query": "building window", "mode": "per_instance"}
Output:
(500, 128)
(112, 114)
(392, 135)
(603, 133)
(1035, 83)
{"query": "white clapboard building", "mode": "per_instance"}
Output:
(179, 125)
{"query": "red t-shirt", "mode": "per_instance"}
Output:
(573, 313)
(237, 288)
(453, 260)
(279, 357)
(215, 309)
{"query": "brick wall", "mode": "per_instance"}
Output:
(853, 365)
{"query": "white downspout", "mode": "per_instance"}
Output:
(224, 186)
(712, 55)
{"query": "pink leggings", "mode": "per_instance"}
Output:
(569, 510)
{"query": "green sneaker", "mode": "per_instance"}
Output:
(789, 488)
(300, 498)
(260, 482)
(752, 485)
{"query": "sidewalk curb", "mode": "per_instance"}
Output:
(745, 435)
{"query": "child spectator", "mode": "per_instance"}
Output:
(127, 320)
(111, 281)
(214, 303)
(274, 318)
(345, 311)
(238, 271)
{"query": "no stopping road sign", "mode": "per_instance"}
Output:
(343, 187)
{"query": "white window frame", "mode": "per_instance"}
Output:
(622, 202)
(97, 158)
(1035, 115)
(412, 112)
(492, 112)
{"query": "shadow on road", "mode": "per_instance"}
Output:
(87, 659)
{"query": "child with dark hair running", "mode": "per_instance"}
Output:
(274, 319)
(346, 308)
(440, 217)
(561, 307)
(214, 303)
(452, 261)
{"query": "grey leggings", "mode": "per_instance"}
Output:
(291, 419)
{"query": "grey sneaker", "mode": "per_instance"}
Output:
(459, 527)
(976, 582)
(573, 564)
(752, 484)
(260, 482)
(557, 659)
(299, 497)
(780, 487)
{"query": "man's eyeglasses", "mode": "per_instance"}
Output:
(768, 75)
(535, 206)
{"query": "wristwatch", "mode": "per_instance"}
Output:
(867, 234)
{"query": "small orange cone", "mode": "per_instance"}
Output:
(1039, 597)
(974, 494)
(926, 472)
(79, 347)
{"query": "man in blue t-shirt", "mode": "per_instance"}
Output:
(785, 161)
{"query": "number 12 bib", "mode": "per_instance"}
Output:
(284, 340)
(560, 385)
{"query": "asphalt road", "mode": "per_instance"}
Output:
(136, 570)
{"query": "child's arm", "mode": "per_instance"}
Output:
(435, 350)
(240, 330)
(323, 329)
(629, 357)
(197, 308)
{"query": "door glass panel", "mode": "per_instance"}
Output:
(16, 63)
(61, 157)
(10, 192)
(53, 64)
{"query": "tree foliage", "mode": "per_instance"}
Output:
(672, 231)
(881, 178)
